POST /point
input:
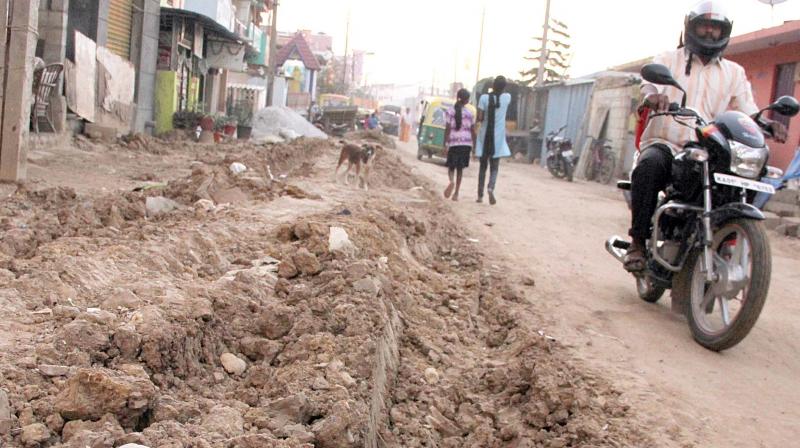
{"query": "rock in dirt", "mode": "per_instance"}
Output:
(232, 364)
(368, 285)
(51, 370)
(92, 393)
(237, 168)
(34, 434)
(431, 376)
(84, 335)
(224, 420)
(333, 431)
(159, 205)
(133, 445)
(122, 298)
(287, 269)
(339, 241)
(306, 262)
(5, 413)
(286, 411)
(277, 321)
(260, 349)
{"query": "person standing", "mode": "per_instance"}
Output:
(491, 145)
(405, 125)
(459, 138)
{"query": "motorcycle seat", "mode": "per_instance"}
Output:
(624, 185)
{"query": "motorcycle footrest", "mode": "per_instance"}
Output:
(624, 185)
(621, 244)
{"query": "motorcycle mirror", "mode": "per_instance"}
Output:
(660, 74)
(785, 105)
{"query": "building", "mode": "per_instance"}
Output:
(212, 57)
(297, 62)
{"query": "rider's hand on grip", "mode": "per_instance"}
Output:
(657, 101)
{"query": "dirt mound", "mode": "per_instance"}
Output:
(373, 136)
(280, 121)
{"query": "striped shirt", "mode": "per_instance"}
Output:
(719, 86)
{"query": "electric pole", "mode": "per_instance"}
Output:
(273, 45)
(346, 45)
(480, 45)
(543, 52)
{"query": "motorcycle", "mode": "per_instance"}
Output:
(708, 242)
(560, 158)
(603, 161)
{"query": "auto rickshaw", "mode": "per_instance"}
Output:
(430, 135)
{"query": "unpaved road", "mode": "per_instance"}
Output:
(554, 230)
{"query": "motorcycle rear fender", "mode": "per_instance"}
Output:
(735, 210)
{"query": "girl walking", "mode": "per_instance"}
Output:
(492, 145)
(459, 137)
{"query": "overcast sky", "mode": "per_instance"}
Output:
(417, 41)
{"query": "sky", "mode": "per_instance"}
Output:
(436, 41)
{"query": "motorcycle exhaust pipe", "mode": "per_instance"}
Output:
(617, 247)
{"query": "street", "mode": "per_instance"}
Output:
(554, 231)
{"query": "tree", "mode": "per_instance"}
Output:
(557, 55)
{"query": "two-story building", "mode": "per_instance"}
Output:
(212, 57)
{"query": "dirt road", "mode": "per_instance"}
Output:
(554, 230)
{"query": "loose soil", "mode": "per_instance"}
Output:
(231, 322)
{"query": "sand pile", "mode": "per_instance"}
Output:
(282, 123)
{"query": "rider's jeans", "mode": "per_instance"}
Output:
(652, 174)
(494, 165)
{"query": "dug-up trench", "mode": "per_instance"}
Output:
(241, 319)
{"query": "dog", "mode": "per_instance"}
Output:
(359, 156)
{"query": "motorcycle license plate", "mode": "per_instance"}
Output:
(735, 181)
(567, 154)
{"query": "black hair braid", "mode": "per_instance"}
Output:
(459, 117)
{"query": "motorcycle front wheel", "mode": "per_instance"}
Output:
(554, 166)
(723, 312)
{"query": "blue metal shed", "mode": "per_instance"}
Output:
(566, 104)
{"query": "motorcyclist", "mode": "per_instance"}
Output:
(713, 85)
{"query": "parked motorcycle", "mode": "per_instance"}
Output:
(603, 161)
(708, 243)
(560, 158)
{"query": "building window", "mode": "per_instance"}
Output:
(784, 85)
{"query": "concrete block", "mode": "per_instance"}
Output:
(782, 209)
(772, 221)
(786, 196)
(104, 133)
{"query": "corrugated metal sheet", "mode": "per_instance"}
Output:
(119, 27)
(567, 104)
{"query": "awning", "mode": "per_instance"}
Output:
(210, 25)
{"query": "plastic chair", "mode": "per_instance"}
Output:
(44, 81)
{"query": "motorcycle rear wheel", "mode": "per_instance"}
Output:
(607, 169)
(741, 249)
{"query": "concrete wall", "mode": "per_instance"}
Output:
(144, 53)
(761, 71)
(222, 11)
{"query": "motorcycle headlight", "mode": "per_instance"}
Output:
(747, 161)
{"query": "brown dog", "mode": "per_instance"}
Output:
(359, 156)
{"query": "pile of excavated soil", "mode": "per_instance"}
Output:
(373, 136)
(227, 327)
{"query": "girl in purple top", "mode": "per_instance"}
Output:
(459, 139)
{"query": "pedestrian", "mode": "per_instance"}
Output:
(372, 121)
(491, 145)
(459, 138)
(405, 126)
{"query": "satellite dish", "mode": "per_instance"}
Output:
(772, 2)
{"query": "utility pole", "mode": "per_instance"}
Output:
(346, 47)
(543, 52)
(480, 45)
(273, 45)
